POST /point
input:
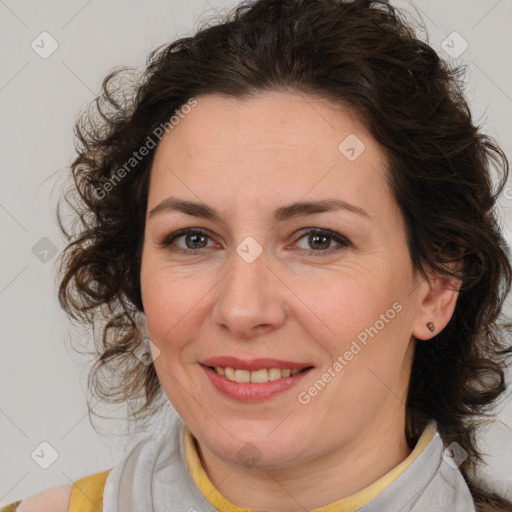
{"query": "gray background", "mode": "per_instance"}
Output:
(43, 381)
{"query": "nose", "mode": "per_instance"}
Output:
(251, 299)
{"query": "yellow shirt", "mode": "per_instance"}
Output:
(349, 504)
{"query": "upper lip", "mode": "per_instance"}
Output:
(252, 364)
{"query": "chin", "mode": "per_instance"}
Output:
(257, 447)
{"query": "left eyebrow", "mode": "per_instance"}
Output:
(297, 209)
(311, 207)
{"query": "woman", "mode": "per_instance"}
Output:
(296, 209)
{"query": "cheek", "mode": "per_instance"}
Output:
(175, 309)
(170, 307)
(365, 321)
(365, 353)
(166, 303)
(160, 298)
(347, 302)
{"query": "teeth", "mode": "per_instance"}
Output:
(242, 376)
(256, 376)
(259, 375)
(274, 373)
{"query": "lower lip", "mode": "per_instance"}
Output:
(249, 391)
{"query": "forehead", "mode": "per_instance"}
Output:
(275, 147)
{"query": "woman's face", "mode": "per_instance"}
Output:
(254, 291)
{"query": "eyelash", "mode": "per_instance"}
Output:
(341, 240)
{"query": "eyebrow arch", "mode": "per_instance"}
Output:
(296, 209)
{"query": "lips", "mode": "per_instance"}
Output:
(255, 379)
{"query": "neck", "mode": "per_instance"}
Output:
(317, 482)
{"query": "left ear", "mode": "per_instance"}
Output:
(438, 297)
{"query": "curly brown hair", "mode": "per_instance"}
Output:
(445, 175)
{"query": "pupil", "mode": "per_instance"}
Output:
(194, 239)
(314, 238)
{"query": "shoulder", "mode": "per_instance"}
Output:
(84, 495)
(55, 499)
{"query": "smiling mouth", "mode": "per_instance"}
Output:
(259, 376)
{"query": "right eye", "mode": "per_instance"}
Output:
(194, 240)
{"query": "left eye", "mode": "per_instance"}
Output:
(320, 240)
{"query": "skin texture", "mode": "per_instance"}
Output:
(51, 500)
(295, 301)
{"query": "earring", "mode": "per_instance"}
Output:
(431, 327)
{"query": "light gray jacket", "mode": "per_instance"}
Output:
(153, 477)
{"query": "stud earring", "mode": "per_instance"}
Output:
(431, 327)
